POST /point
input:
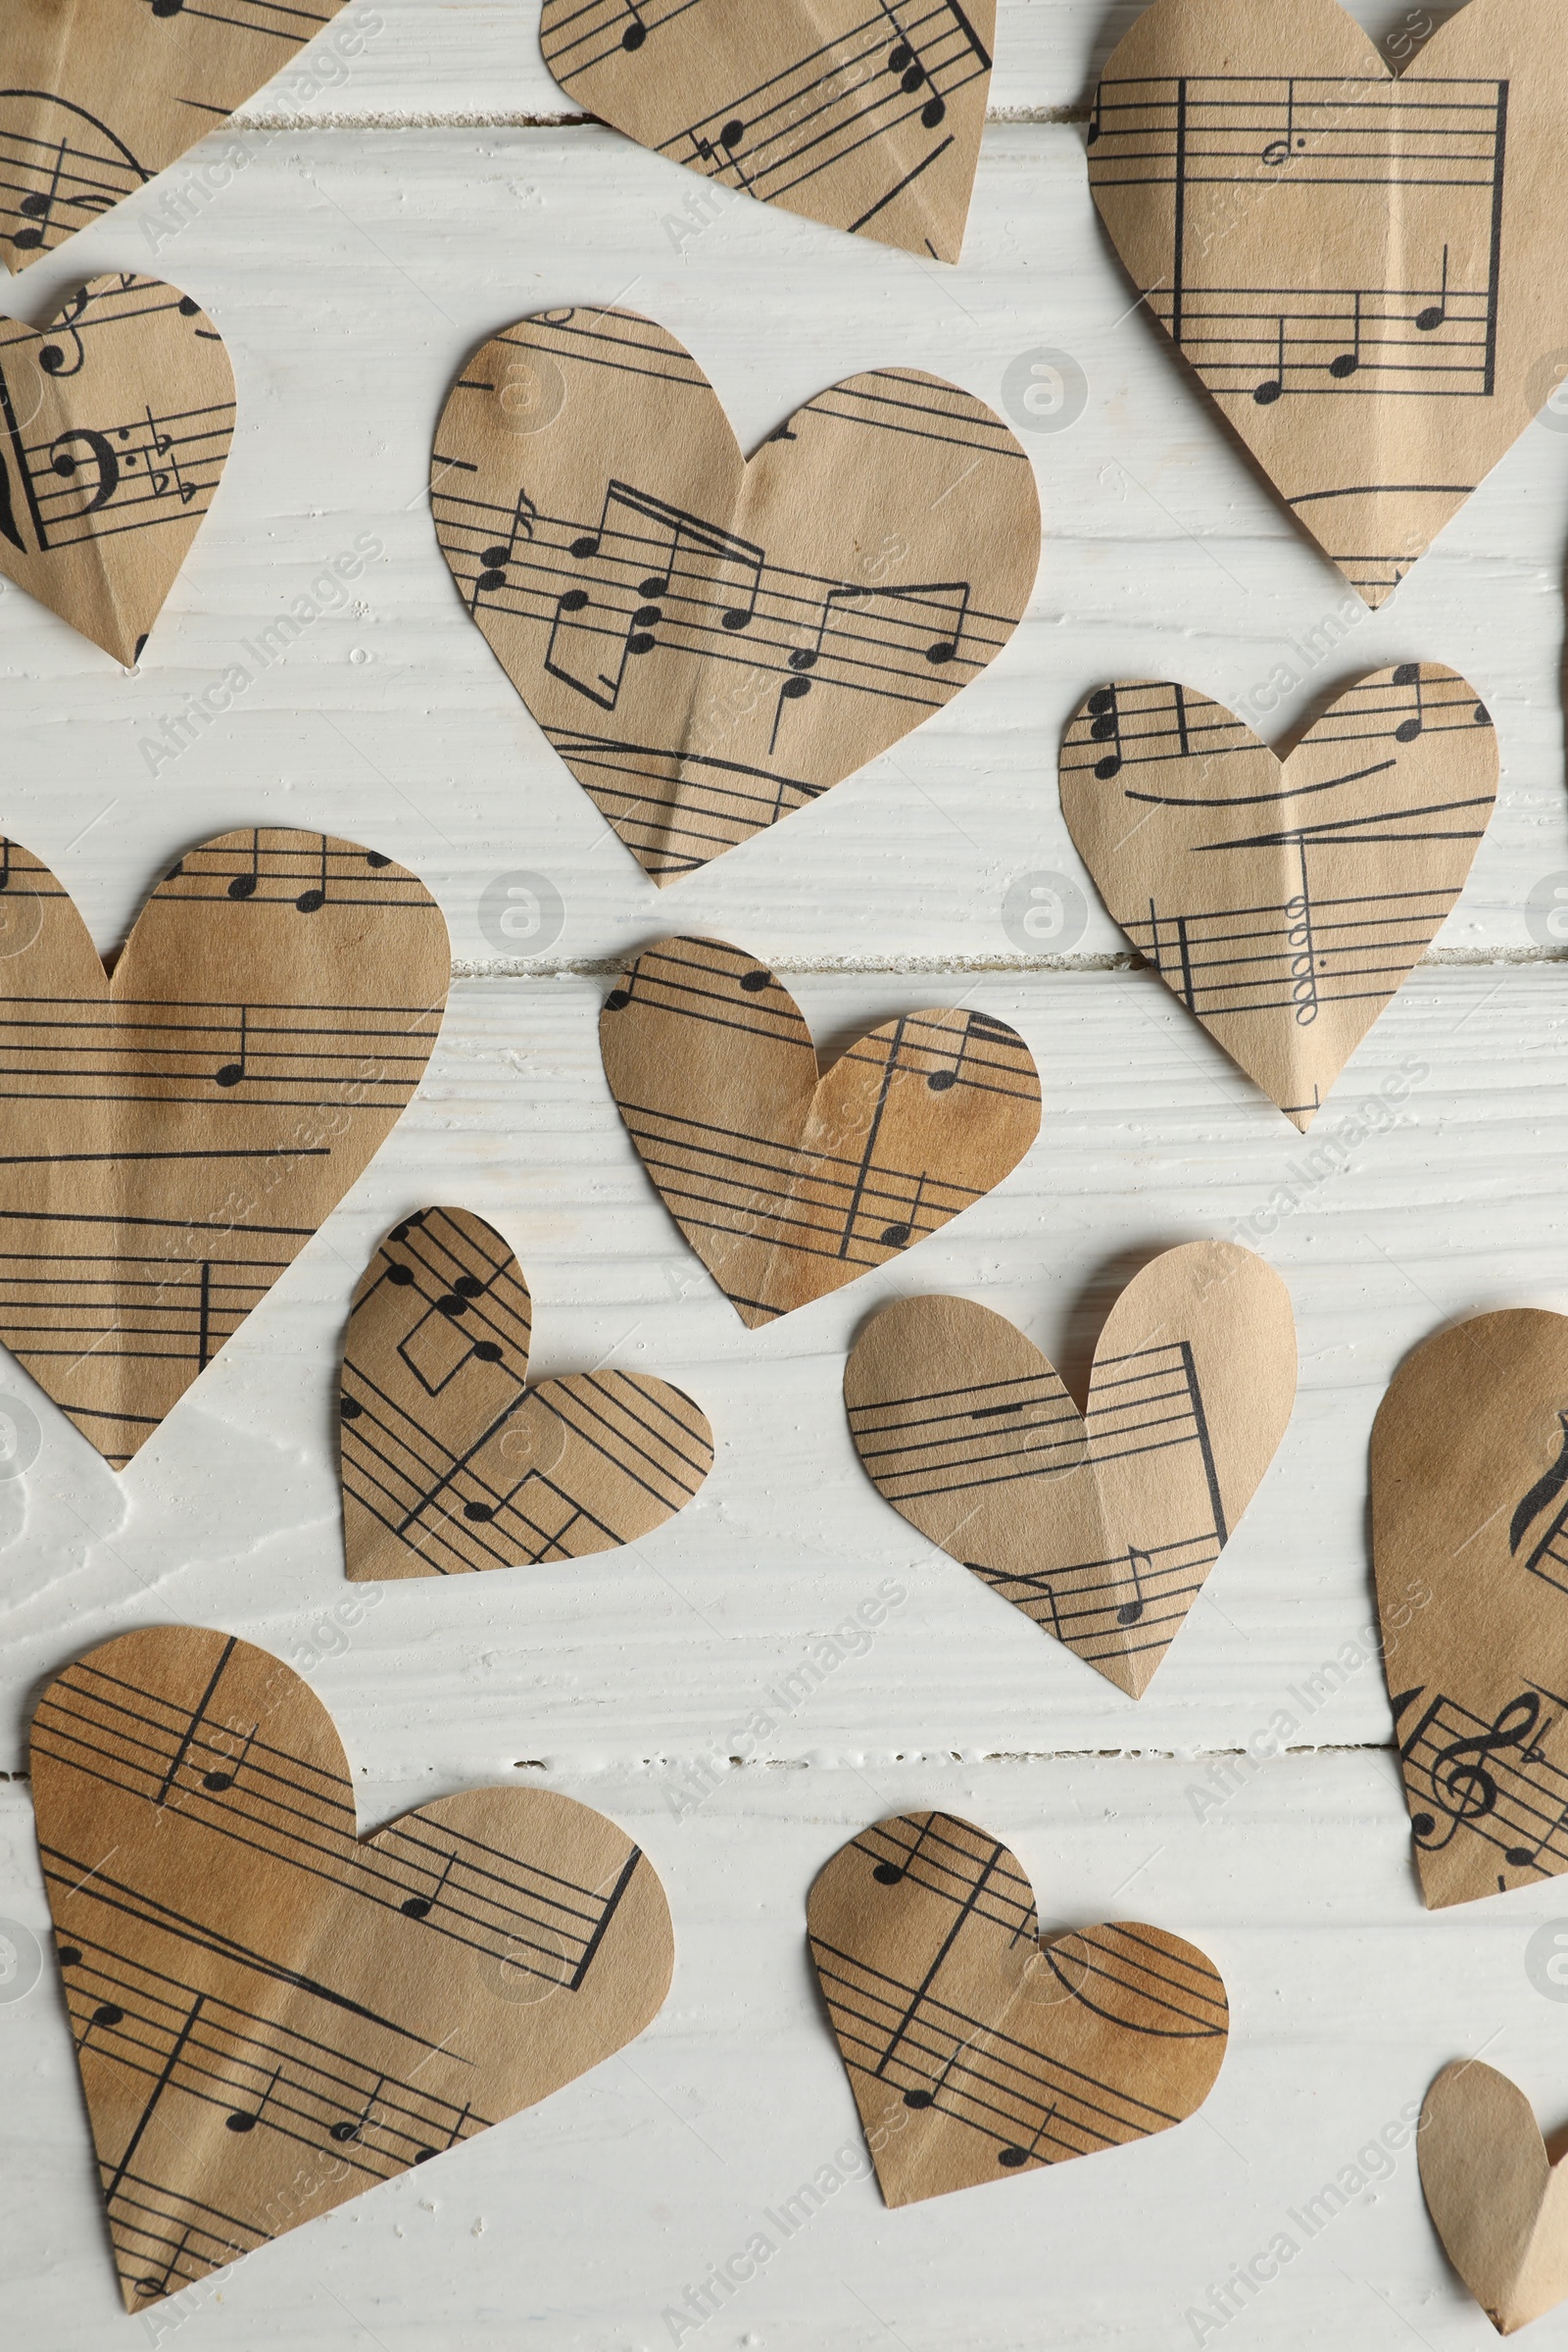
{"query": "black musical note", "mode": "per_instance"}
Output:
(1436, 313)
(1104, 711)
(39, 206)
(1408, 674)
(246, 2119)
(420, 1906)
(216, 1783)
(350, 2128)
(1131, 1612)
(231, 1072)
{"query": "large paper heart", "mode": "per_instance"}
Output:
(1284, 903)
(1496, 2200)
(867, 117)
(450, 1462)
(271, 2014)
(101, 96)
(707, 643)
(976, 2047)
(1469, 1472)
(1366, 271)
(115, 425)
(789, 1184)
(178, 1132)
(1101, 1526)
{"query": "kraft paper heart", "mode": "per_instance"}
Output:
(1366, 271)
(710, 643)
(1469, 1472)
(116, 421)
(975, 2047)
(1496, 2200)
(102, 96)
(178, 1132)
(868, 119)
(450, 1462)
(789, 1183)
(1284, 903)
(271, 2014)
(1103, 1526)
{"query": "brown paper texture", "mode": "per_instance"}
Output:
(1283, 904)
(103, 95)
(710, 644)
(1469, 1474)
(975, 2047)
(116, 421)
(1101, 1526)
(865, 117)
(789, 1183)
(1367, 273)
(179, 1131)
(1498, 2204)
(271, 2015)
(451, 1463)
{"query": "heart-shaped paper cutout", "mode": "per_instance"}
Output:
(1496, 2200)
(1284, 903)
(271, 2014)
(1366, 271)
(178, 1132)
(789, 1184)
(102, 96)
(974, 2046)
(710, 643)
(450, 1462)
(868, 119)
(1469, 1473)
(115, 425)
(1103, 1527)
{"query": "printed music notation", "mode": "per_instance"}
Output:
(1538, 1533)
(451, 1463)
(1468, 1778)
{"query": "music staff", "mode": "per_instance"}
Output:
(1490, 1781)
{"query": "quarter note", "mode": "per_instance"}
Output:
(1273, 387)
(1131, 1612)
(1014, 2157)
(351, 2129)
(1436, 313)
(636, 32)
(420, 1906)
(1349, 361)
(231, 1072)
(39, 207)
(217, 1782)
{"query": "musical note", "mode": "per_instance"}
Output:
(420, 1906)
(1436, 313)
(1104, 713)
(1131, 1612)
(39, 206)
(231, 1072)
(1348, 362)
(1463, 1784)
(1408, 674)
(352, 2127)
(216, 1783)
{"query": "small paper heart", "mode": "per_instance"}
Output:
(1496, 2200)
(451, 1462)
(1101, 1526)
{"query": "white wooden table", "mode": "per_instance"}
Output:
(379, 229)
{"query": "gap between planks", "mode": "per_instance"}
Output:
(477, 119)
(601, 967)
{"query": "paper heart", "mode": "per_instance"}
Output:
(448, 1464)
(1364, 270)
(1284, 903)
(1101, 1528)
(271, 2014)
(118, 418)
(976, 2047)
(102, 97)
(865, 119)
(789, 1184)
(1469, 1476)
(710, 643)
(1496, 2200)
(178, 1132)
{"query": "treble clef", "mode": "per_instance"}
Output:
(1461, 1782)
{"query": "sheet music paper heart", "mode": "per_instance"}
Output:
(1496, 2200)
(977, 2048)
(1366, 270)
(116, 421)
(1469, 1473)
(1283, 902)
(271, 2014)
(710, 643)
(1103, 1527)
(451, 1463)
(103, 96)
(789, 1182)
(179, 1131)
(867, 118)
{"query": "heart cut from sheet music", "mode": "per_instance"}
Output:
(976, 2047)
(1496, 2200)
(271, 2014)
(864, 117)
(451, 1463)
(789, 1183)
(710, 643)
(1366, 271)
(1101, 1526)
(179, 1131)
(1284, 903)
(119, 412)
(1469, 1474)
